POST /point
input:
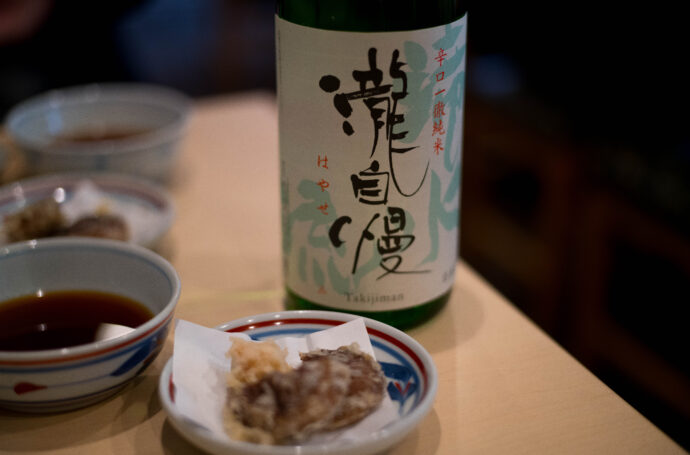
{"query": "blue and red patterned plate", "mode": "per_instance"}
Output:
(408, 367)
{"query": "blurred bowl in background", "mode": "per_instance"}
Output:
(144, 208)
(60, 379)
(129, 128)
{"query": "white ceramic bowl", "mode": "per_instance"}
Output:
(69, 378)
(147, 209)
(159, 114)
(408, 367)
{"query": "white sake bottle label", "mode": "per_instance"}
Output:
(370, 149)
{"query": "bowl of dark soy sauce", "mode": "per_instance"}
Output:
(79, 319)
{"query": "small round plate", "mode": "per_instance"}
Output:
(408, 367)
(146, 208)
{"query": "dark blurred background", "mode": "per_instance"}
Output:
(576, 186)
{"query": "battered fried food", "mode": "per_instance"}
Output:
(329, 390)
(102, 226)
(45, 219)
(366, 388)
(251, 361)
(40, 219)
(291, 406)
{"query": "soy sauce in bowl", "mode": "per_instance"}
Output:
(60, 319)
(99, 135)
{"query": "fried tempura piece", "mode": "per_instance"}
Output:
(251, 361)
(270, 403)
(40, 219)
(291, 406)
(367, 384)
(103, 226)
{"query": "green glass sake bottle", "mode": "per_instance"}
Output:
(370, 97)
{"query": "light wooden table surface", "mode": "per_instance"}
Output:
(505, 387)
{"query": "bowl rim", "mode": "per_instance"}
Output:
(372, 443)
(74, 353)
(138, 93)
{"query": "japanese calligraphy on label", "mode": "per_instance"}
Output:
(370, 143)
